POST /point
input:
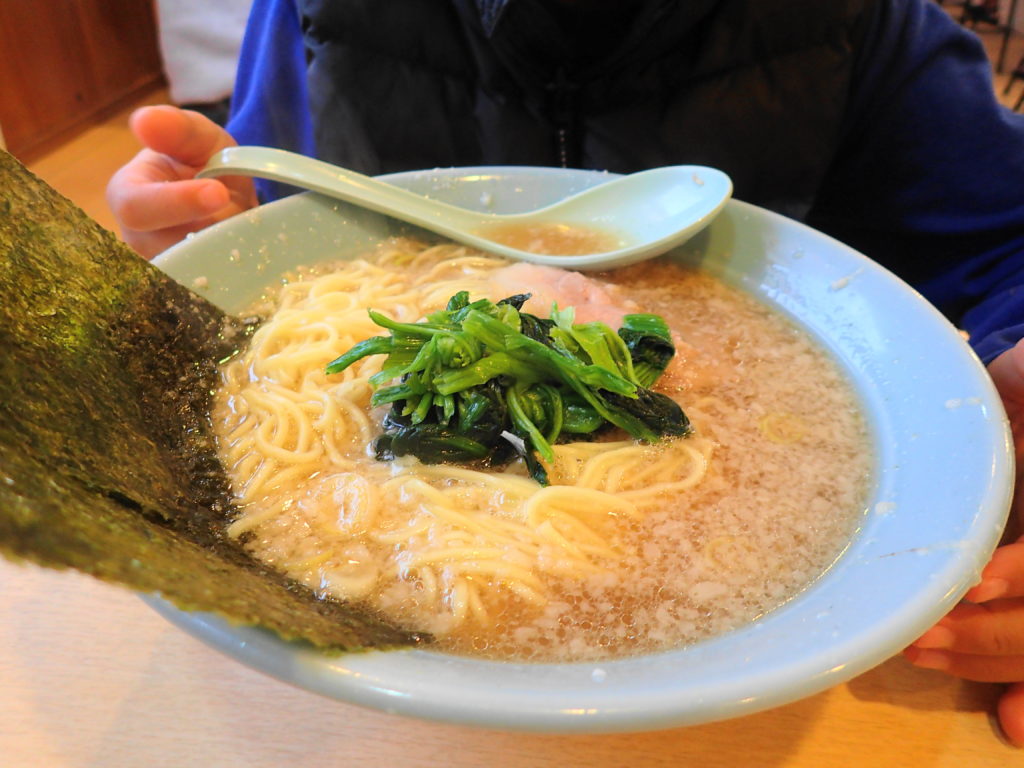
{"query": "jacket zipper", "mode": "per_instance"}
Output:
(563, 114)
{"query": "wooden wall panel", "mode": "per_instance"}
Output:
(122, 39)
(67, 63)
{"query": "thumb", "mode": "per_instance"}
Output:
(1007, 372)
(1011, 713)
(1002, 577)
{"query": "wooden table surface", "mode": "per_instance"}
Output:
(91, 676)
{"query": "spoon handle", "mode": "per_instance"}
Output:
(341, 183)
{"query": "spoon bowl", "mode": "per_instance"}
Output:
(634, 217)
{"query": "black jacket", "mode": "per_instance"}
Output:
(872, 120)
(500, 82)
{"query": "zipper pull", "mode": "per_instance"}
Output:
(562, 94)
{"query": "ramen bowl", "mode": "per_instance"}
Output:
(937, 503)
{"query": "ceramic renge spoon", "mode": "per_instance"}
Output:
(641, 215)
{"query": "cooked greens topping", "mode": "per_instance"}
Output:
(484, 381)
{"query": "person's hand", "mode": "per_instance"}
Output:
(983, 637)
(156, 198)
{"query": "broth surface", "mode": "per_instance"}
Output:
(552, 239)
(748, 512)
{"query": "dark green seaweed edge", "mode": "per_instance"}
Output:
(106, 452)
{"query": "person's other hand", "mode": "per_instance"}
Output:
(156, 198)
(983, 637)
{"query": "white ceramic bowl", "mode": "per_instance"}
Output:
(939, 500)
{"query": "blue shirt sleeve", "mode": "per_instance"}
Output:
(270, 103)
(930, 176)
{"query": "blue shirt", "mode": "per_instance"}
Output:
(934, 167)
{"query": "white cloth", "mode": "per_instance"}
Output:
(199, 42)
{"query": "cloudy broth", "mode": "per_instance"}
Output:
(552, 239)
(784, 492)
(632, 563)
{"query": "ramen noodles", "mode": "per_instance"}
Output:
(631, 548)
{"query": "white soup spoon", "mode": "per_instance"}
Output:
(625, 220)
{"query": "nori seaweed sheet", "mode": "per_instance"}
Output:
(106, 454)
